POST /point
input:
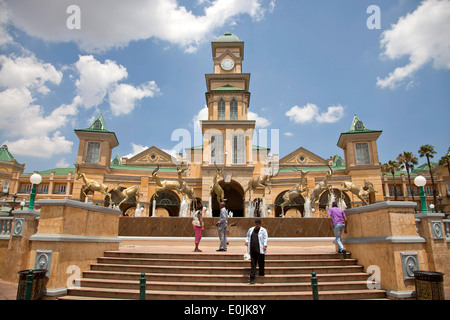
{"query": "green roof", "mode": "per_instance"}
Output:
(5, 155)
(58, 171)
(227, 87)
(359, 127)
(116, 161)
(97, 126)
(228, 37)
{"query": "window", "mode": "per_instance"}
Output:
(93, 152)
(362, 153)
(98, 124)
(60, 189)
(233, 110)
(392, 193)
(42, 188)
(415, 190)
(428, 191)
(238, 143)
(217, 149)
(221, 110)
(25, 188)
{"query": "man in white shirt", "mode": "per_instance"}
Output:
(222, 224)
(257, 239)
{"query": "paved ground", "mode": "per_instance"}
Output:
(8, 290)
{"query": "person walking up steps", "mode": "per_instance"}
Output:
(337, 219)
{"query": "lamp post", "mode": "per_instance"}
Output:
(35, 179)
(420, 181)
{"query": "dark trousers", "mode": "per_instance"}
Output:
(256, 258)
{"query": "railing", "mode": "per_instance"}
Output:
(5, 227)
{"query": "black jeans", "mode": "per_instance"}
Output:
(256, 258)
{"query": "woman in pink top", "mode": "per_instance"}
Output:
(197, 223)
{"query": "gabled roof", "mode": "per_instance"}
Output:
(359, 127)
(5, 155)
(97, 126)
(227, 87)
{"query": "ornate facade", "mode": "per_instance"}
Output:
(226, 160)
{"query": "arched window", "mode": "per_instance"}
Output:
(221, 110)
(233, 110)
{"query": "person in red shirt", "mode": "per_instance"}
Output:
(337, 219)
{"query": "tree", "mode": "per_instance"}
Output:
(445, 161)
(427, 151)
(407, 160)
(391, 167)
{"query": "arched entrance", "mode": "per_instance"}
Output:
(338, 194)
(296, 204)
(167, 200)
(234, 193)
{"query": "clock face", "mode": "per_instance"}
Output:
(227, 64)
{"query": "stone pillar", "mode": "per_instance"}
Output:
(431, 227)
(17, 256)
(71, 236)
(383, 237)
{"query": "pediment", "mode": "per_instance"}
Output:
(227, 53)
(303, 157)
(150, 156)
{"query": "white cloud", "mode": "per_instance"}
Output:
(40, 146)
(304, 114)
(123, 98)
(261, 122)
(333, 114)
(201, 115)
(136, 149)
(30, 130)
(5, 38)
(288, 134)
(27, 72)
(107, 24)
(96, 79)
(423, 35)
(99, 80)
(62, 163)
(310, 113)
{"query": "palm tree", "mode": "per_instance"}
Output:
(445, 161)
(391, 167)
(408, 160)
(427, 150)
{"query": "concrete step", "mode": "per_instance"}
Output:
(223, 270)
(258, 286)
(221, 255)
(222, 262)
(239, 278)
(108, 293)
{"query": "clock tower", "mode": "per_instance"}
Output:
(227, 134)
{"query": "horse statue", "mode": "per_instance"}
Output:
(261, 181)
(321, 187)
(216, 188)
(127, 193)
(163, 185)
(298, 190)
(362, 193)
(91, 185)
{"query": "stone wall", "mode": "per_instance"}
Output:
(237, 227)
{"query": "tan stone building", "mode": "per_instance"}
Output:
(227, 144)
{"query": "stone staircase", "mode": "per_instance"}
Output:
(213, 276)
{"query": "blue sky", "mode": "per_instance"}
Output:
(313, 64)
